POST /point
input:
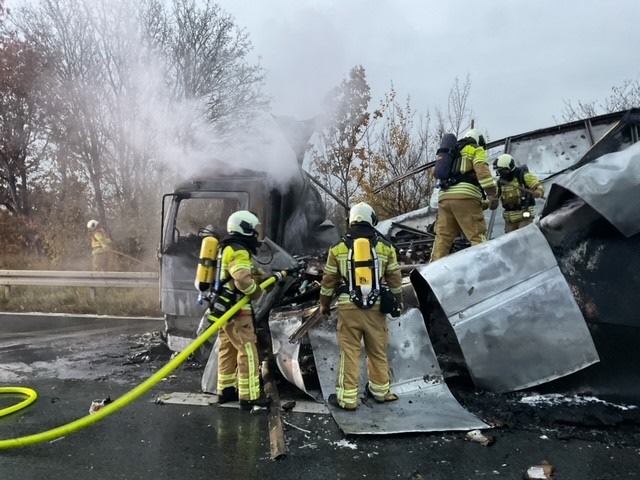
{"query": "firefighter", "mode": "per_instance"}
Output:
(461, 204)
(238, 362)
(359, 315)
(518, 188)
(101, 253)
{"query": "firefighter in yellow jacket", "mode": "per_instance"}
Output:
(238, 360)
(101, 253)
(518, 188)
(359, 315)
(461, 203)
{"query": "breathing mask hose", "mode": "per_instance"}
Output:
(133, 394)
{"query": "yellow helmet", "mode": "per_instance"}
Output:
(92, 224)
(505, 161)
(473, 133)
(362, 212)
(243, 222)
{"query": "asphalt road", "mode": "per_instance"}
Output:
(72, 361)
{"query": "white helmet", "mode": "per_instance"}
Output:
(362, 212)
(92, 224)
(473, 133)
(243, 222)
(506, 161)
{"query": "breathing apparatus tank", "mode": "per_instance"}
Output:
(363, 263)
(206, 271)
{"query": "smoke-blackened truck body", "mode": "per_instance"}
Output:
(292, 216)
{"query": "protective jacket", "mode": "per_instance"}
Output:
(515, 201)
(336, 270)
(236, 273)
(100, 240)
(475, 174)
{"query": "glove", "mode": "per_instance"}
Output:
(482, 142)
(538, 193)
(325, 305)
(485, 203)
(493, 202)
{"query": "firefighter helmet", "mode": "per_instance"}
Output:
(362, 212)
(475, 134)
(92, 224)
(506, 161)
(243, 222)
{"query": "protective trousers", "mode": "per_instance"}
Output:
(238, 362)
(354, 326)
(455, 216)
(101, 261)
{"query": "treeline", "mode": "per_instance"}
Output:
(105, 103)
(98, 99)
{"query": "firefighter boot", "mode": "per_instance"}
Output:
(387, 397)
(261, 401)
(333, 401)
(229, 394)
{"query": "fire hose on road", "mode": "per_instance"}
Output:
(125, 399)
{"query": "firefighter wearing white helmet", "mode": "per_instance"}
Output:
(363, 271)
(517, 188)
(101, 253)
(462, 201)
(238, 360)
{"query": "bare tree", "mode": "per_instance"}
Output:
(207, 55)
(458, 116)
(622, 97)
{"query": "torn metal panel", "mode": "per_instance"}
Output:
(517, 322)
(282, 323)
(607, 184)
(425, 403)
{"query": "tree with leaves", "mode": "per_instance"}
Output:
(397, 147)
(129, 86)
(23, 133)
(340, 156)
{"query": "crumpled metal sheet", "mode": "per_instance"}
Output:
(512, 311)
(282, 324)
(425, 403)
(609, 184)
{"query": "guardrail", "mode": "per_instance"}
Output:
(93, 280)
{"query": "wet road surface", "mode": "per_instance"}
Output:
(71, 361)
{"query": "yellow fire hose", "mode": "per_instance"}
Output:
(29, 393)
(128, 397)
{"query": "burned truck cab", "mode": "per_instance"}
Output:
(293, 216)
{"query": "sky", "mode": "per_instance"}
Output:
(524, 59)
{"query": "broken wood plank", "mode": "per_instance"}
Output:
(276, 430)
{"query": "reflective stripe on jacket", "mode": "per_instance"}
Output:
(236, 271)
(336, 271)
(100, 240)
(472, 159)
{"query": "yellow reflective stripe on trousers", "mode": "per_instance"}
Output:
(344, 395)
(225, 381)
(250, 386)
(379, 390)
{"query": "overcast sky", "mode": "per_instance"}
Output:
(524, 58)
